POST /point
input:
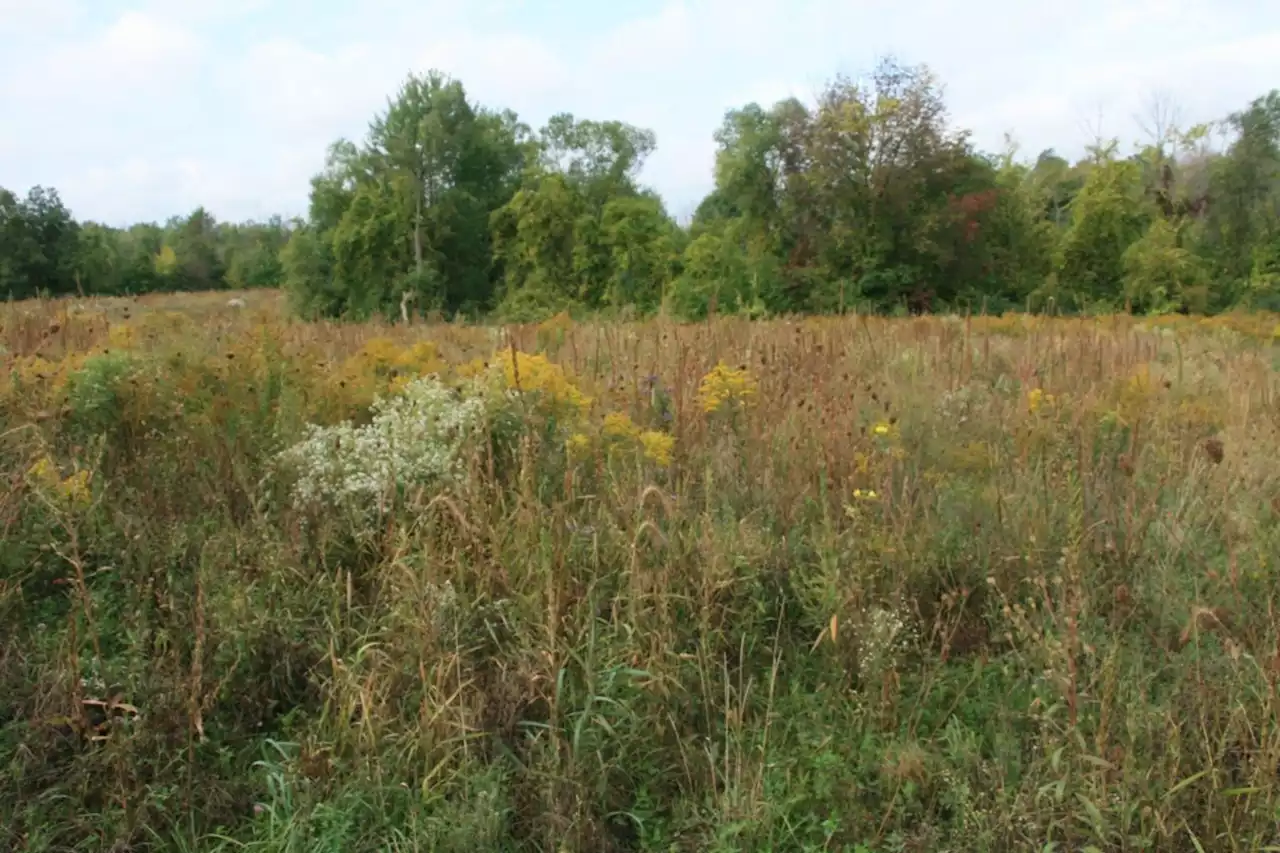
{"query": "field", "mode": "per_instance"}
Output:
(842, 584)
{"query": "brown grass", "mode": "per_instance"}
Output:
(941, 583)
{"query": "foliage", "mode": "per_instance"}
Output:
(869, 198)
(1160, 274)
(1106, 219)
(44, 251)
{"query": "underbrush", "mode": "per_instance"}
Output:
(832, 584)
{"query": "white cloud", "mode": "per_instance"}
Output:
(35, 18)
(649, 45)
(125, 191)
(135, 57)
(291, 89)
(173, 103)
(288, 88)
(503, 69)
(193, 11)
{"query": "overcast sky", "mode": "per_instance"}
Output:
(140, 109)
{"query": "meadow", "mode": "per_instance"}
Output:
(817, 584)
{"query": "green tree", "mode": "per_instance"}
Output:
(196, 243)
(39, 244)
(1107, 216)
(407, 214)
(534, 238)
(1160, 275)
(1245, 193)
(642, 250)
(99, 263)
(579, 231)
(601, 158)
(252, 253)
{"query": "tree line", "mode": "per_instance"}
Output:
(44, 251)
(870, 199)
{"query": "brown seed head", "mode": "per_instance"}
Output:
(1214, 450)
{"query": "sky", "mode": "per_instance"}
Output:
(137, 110)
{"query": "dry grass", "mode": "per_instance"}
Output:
(932, 584)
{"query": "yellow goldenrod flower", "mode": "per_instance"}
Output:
(619, 425)
(75, 489)
(420, 359)
(578, 445)
(724, 384)
(45, 472)
(472, 368)
(535, 373)
(379, 352)
(658, 446)
(1037, 398)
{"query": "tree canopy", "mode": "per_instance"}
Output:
(870, 198)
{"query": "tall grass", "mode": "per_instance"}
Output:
(847, 584)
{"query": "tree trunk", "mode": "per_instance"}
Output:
(417, 235)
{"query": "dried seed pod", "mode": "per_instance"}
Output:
(1214, 450)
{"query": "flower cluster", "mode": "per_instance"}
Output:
(725, 385)
(1037, 398)
(414, 439)
(861, 507)
(534, 373)
(657, 446)
(70, 491)
(885, 637)
(382, 366)
(618, 425)
(578, 445)
(623, 434)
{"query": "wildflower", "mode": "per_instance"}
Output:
(657, 446)
(578, 445)
(881, 428)
(726, 385)
(75, 489)
(421, 359)
(865, 494)
(535, 374)
(619, 425)
(886, 636)
(414, 439)
(472, 369)
(44, 472)
(1038, 398)
(379, 352)
(71, 491)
